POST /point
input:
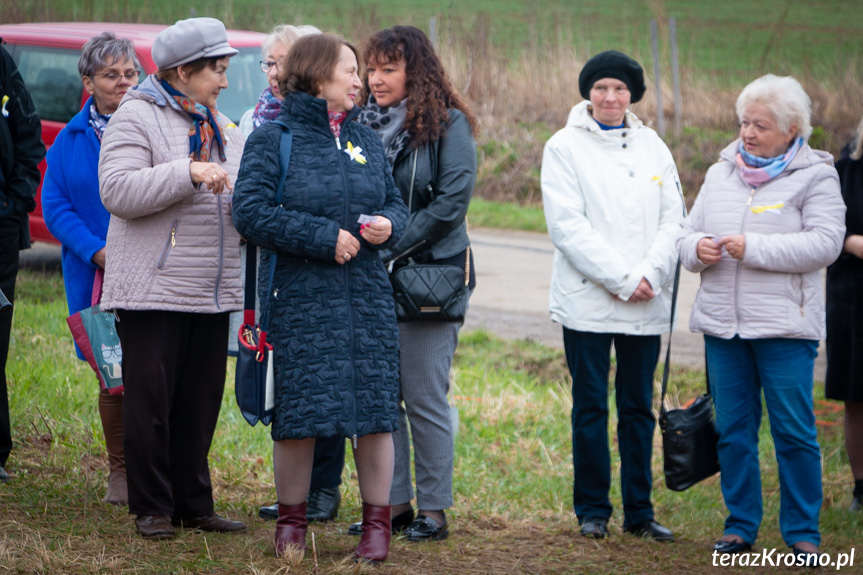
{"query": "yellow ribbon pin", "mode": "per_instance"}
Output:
(356, 154)
(762, 209)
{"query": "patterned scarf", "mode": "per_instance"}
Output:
(205, 130)
(336, 119)
(389, 124)
(755, 170)
(98, 122)
(267, 109)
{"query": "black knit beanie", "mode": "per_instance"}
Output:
(612, 64)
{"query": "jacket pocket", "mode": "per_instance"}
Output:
(797, 292)
(568, 280)
(169, 245)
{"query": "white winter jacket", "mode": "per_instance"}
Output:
(614, 211)
(794, 226)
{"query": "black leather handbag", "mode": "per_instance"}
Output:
(689, 438)
(430, 291)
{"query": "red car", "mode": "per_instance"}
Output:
(47, 55)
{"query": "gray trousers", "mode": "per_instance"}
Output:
(426, 353)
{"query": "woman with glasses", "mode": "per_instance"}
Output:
(273, 50)
(74, 213)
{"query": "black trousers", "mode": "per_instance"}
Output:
(10, 229)
(174, 375)
(329, 462)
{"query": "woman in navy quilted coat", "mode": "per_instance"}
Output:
(332, 319)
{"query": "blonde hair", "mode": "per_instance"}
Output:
(286, 35)
(785, 98)
(857, 143)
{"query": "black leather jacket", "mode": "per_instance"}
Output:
(21, 148)
(445, 177)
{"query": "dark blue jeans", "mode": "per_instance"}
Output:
(589, 358)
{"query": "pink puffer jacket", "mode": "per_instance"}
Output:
(794, 227)
(171, 244)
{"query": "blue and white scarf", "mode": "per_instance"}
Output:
(756, 170)
(98, 121)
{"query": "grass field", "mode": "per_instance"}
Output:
(512, 477)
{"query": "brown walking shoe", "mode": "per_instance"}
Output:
(155, 527)
(213, 523)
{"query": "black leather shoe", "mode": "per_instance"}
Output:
(426, 529)
(651, 530)
(269, 512)
(806, 558)
(323, 504)
(399, 523)
(595, 527)
(731, 547)
(4, 477)
(856, 504)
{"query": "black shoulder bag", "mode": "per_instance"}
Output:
(689, 438)
(430, 292)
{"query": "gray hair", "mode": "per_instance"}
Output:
(286, 35)
(785, 98)
(857, 143)
(99, 49)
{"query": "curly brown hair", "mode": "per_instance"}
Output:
(430, 93)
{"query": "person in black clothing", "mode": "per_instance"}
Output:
(844, 380)
(21, 150)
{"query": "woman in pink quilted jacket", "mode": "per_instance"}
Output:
(767, 220)
(172, 273)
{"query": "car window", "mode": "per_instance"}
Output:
(51, 76)
(245, 84)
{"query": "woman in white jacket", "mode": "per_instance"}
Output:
(614, 211)
(768, 218)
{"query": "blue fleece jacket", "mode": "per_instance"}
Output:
(72, 208)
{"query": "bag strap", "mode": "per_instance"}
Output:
(98, 280)
(285, 145)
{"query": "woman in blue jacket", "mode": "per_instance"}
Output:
(74, 213)
(332, 318)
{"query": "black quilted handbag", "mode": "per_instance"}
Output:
(431, 292)
(689, 437)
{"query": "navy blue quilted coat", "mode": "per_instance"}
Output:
(333, 326)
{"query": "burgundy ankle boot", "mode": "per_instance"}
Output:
(291, 527)
(375, 542)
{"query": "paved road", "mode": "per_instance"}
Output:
(511, 297)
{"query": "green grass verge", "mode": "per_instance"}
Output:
(513, 476)
(506, 216)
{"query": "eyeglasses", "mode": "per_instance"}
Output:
(115, 76)
(267, 64)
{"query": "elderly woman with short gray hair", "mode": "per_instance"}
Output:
(74, 212)
(767, 220)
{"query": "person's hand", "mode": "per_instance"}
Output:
(211, 175)
(99, 258)
(347, 247)
(734, 245)
(644, 292)
(378, 231)
(854, 245)
(708, 251)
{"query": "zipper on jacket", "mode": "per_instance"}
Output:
(172, 241)
(740, 262)
(347, 275)
(221, 252)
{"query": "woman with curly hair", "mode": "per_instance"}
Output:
(428, 132)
